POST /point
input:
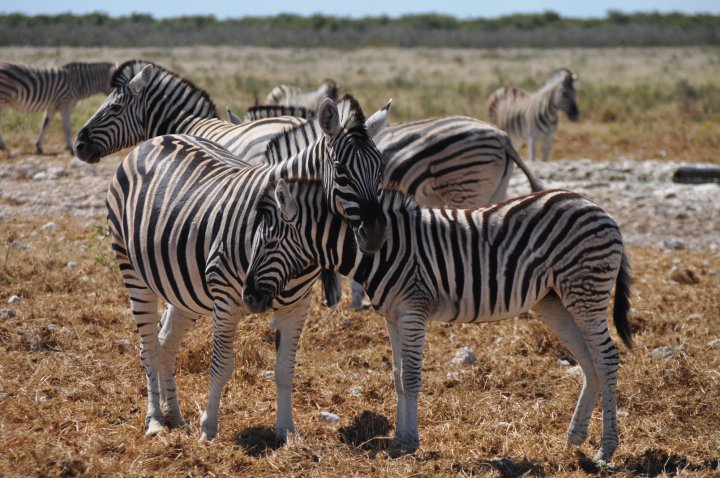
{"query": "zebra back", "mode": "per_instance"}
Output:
(87, 79)
(29, 88)
(286, 95)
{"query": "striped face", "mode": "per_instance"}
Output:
(565, 97)
(120, 121)
(278, 251)
(353, 174)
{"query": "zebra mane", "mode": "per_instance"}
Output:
(561, 75)
(352, 119)
(127, 70)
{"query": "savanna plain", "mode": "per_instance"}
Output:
(72, 390)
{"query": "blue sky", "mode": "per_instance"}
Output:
(357, 8)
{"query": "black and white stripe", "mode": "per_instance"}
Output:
(286, 95)
(147, 101)
(553, 251)
(182, 214)
(29, 88)
(534, 116)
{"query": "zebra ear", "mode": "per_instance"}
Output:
(285, 201)
(376, 122)
(232, 117)
(141, 80)
(328, 117)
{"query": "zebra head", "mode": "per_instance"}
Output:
(564, 93)
(279, 250)
(352, 168)
(146, 100)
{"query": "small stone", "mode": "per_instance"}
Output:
(345, 324)
(464, 356)
(20, 245)
(504, 424)
(564, 362)
(50, 226)
(7, 313)
(329, 417)
(14, 299)
(268, 374)
(5, 217)
(4, 395)
(71, 264)
(355, 391)
(673, 244)
(714, 343)
(44, 398)
(667, 352)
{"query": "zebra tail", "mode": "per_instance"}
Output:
(622, 302)
(331, 287)
(535, 184)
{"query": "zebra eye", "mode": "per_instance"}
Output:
(271, 244)
(340, 168)
(116, 107)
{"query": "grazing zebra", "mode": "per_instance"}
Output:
(532, 116)
(285, 95)
(181, 211)
(553, 251)
(147, 100)
(28, 88)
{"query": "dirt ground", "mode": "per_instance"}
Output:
(72, 389)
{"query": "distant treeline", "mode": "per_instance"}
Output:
(546, 29)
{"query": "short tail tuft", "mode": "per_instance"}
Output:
(622, 302)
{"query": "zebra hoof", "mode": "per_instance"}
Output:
(153, 426)
(39, 150)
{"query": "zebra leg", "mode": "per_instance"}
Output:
(590, 317)
(173, 327)
(288, 324)
(65, 112)
(47, 119)
(547, 144)
(392, 329)
(144, 309)
(411, 331)
(558, 319)
(531, 147)
(221, 366)
(358, 296)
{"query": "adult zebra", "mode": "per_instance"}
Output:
(533, 116)
(456, 161)
(182, 213)
(147, 101)
(29, 88)
(553, 251)
(286, 95)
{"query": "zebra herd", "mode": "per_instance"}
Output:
(225, 218)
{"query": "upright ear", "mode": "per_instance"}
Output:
(376, 122)
(141, 80)
(285, 201)
(232, 117)
(328, 117)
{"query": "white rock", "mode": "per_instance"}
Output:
(673, 243)
(504, 424)
(20, 245)
(52, 327)
(464, 356)
(329, 417)
(14, 299)
(715, 343)
(71, 264)
(7, 313)
(268, 374)
(5, 217)
(667, 352)
(355, 391)
(453, 376)
(44, 398)
(564, 362)
(50, 226)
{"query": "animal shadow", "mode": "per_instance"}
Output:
(257, 441)
(657, 462)
(369, 432)
(513, 469)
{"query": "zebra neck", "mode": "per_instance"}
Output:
(305, 164)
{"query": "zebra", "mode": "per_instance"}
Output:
(533, 116)
(455, 161)
(285, 95)
(147, 100)
(181, 212)
(255, 113)
(29, 88)
(553, 251)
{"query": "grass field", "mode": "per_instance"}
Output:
(73, 391)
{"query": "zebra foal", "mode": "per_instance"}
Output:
(553, 251)
(29, 88)
(181, 211)
(534, 116)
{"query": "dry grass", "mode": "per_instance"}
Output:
(640, 103)
(76, 391)
(76, 388)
